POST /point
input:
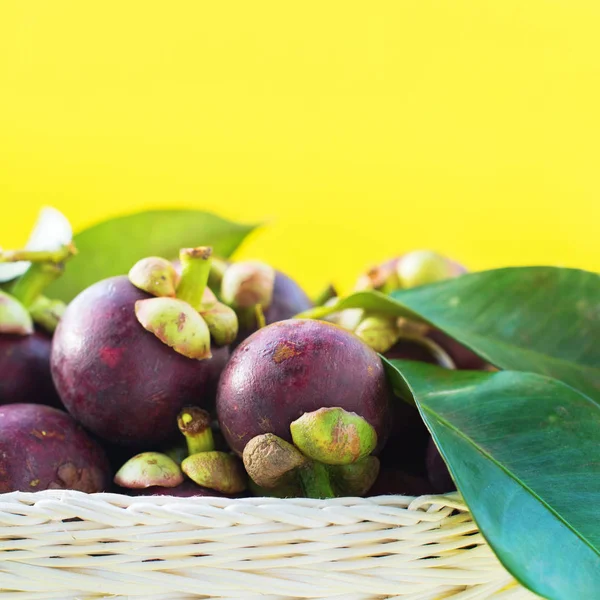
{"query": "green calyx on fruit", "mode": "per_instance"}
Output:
(206, 466)
(423, 267)
(194, 423)
(154, 275)
(176, 324)
(222, 323)
(14, 317)
(333, 436)
(248, 283)
(355, 479)
(185, 314)
(269, 459)
(216, 470)
(149, 469)
(378, 332)
(282, 470)
(330, 457)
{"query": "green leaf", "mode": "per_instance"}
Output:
(543, 320)
(524, 451)
(114, 246)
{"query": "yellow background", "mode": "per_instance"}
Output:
(359, 129)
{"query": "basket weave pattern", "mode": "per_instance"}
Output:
(69, 545)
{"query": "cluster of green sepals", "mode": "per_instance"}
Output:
(330, 457)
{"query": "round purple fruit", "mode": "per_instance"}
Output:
(295, 367)
(26, 361)
(44, 448)
(118, 379)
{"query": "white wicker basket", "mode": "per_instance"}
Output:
(69, 545)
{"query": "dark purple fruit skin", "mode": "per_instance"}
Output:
(437, 471)
(296, 366)
(25, 370)
(119, 380)
(395, 481)
(289, 300)
(44, 448)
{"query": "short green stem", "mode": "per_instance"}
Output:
(194, 423)
(195, 269)
(35, 280)
(315, 481)
(38, 256)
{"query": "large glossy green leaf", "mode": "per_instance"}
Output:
(112, 247)
(540, 319)
(524, 451)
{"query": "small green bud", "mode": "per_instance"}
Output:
(217, 471)
(378, 332)
(222, 323)
(154, 275)
(176, 324)
(355, 479)
(149, 469)
(246, 284)
(268, 459)
(333, 436)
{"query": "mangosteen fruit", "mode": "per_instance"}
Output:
(125, 360)
(316, 391)
(25, 369)
(44, 448)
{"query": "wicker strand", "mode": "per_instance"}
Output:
(70, 545)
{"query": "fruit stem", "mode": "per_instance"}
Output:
(194, 424)
(34, 281)
(195, 269)
(315, 481)
(38, 256)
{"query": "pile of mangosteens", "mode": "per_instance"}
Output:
(192, 377)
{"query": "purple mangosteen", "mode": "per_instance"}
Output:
(126, 358)
(312, 398)
(44, 448)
